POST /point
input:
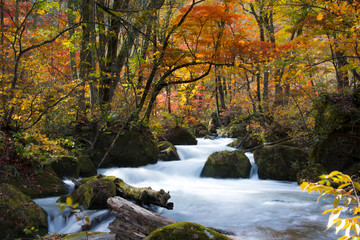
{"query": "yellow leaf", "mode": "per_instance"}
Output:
(319, 17)
(75, 205)
(68, 201)
(62, 207)
(337, 201)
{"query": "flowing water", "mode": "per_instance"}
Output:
(249, 208)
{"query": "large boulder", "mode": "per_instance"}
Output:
(338, 132)
(66, 166)
(227, 164)
(311, 173)
(43, 182)
(238, 130)
(131, 149)
(168, 151)
(185, 230)
(179, 136)
(279, 162)
(19, 215)
(87, 167)
(93, 192)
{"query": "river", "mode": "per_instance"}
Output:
(250, 208)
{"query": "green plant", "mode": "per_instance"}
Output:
(345, 192)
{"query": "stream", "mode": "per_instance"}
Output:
(253, 209)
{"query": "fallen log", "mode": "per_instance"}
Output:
(132, 221)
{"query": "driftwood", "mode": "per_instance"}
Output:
(132, 221)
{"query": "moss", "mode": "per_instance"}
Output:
(66, 166)
(168, 151)
(279, 162)
(311, 173)
(87, 167)
(179, 136)
(94, 192)
(88, 235)
(17, 212)
(44, 184)
(185, 230)
(226, 164)
(132, 149)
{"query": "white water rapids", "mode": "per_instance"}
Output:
(250, 208)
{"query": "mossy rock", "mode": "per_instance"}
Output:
(237, 130)
(179, 136)
(87, 167)
(246, 143)
(19, 212)
(200, 130)
(44, 183)
(86, 236)
(132, 149)
(279, 162)
(168, 151)
(185, 230)
(66, 166)
(311, 173)
(226, 164)
(94, 193)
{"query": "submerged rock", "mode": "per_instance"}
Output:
(226, 164)
(185, 230)
(279, 162)
(19, 215)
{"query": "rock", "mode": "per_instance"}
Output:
(44, 183)
(237, 130)
(66, 166)
(279, 162)
(93, 193)
(132, 149)
(214, 123)
(338, 132)
(168, 151)
(246, 143)
(87, 167)
(87, 236)
(226, 164)
(200, 130)
(311, 173)
(132, 221)
(19, 212)
(185, 230)
(179, 136)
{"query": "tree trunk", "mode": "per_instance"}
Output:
(132, 221)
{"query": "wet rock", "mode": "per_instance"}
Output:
(279, 162)
(185, 230)
(18, 213)
(179, 136)
(168, 151)
(226, 164)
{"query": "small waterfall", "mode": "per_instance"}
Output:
(254, 168)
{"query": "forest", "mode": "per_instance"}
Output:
(91, 84)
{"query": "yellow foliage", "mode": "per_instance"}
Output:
(344, 190)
